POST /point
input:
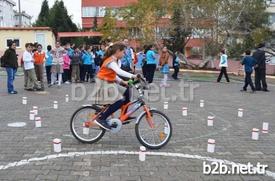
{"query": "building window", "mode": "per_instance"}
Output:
(16, 40)
(93, 11)
(272, 18)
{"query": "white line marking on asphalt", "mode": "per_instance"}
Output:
(17, 124)
(121, 152)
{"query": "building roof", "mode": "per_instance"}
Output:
(107, 3)
(26, 28)
(78, 34)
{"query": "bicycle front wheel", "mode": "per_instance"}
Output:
(83, 127)
(159, 135)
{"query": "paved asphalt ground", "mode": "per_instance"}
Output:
(190, 135)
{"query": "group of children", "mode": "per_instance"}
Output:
(63, 65)
(67, 64)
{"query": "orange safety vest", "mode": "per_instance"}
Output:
(105, 73)
(39, 57)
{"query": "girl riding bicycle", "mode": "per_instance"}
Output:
(110, 89)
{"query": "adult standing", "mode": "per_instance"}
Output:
(10, 62)
(260, 68)
(39, 59)
(151, 63)
(223, 65)
(128, 58)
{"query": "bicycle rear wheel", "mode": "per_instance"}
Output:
(157, 137)
(82, 126)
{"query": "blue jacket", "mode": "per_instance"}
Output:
(248, 62)
(150, 57)
(49, 59)
(87, 58)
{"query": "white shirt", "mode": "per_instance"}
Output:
(28, 60)
(223, 61)
(115, 67)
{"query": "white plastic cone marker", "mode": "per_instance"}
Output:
(201, 103)
(67, 98)
(32, 115)
(165, 105)
(210, 121)
(35, 109)
(166, 129)
(255, 134)
(85, 130)
(184, 111)
(240, 113)
(211, 146)
(265, 127)
(142, 151)
(24, 100)
(57, 145)
(55, 104)
(38, 123)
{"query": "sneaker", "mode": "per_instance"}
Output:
(67, 82)
(265, 90)
(13, 92)
(243, 90)
(103, 124)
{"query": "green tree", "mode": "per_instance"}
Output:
(109, 29)
(44, 15)
(144, 15)
(57, 18)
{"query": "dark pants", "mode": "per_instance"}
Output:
(176, 71)
(88, 72)
(10, 78)
(248, 81)
(223, 72)
(39, 71)
(116, 106)
(70, 74)
(144, 71)
(260, 79)
(48, 73)
(66, 75)
(150, 72)
(82, 72)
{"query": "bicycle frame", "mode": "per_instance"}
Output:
(137, 104)
(140, 103)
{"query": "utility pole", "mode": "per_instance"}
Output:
(20, 13)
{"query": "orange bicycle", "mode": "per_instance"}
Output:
(153, 128)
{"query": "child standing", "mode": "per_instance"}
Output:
(164, 57)
(88, 64)
(32, 83)
(57, 65)
(66, 67)
(39, 59)
(75, 63)
(223, 65)
(249, 62)
(48, 64)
